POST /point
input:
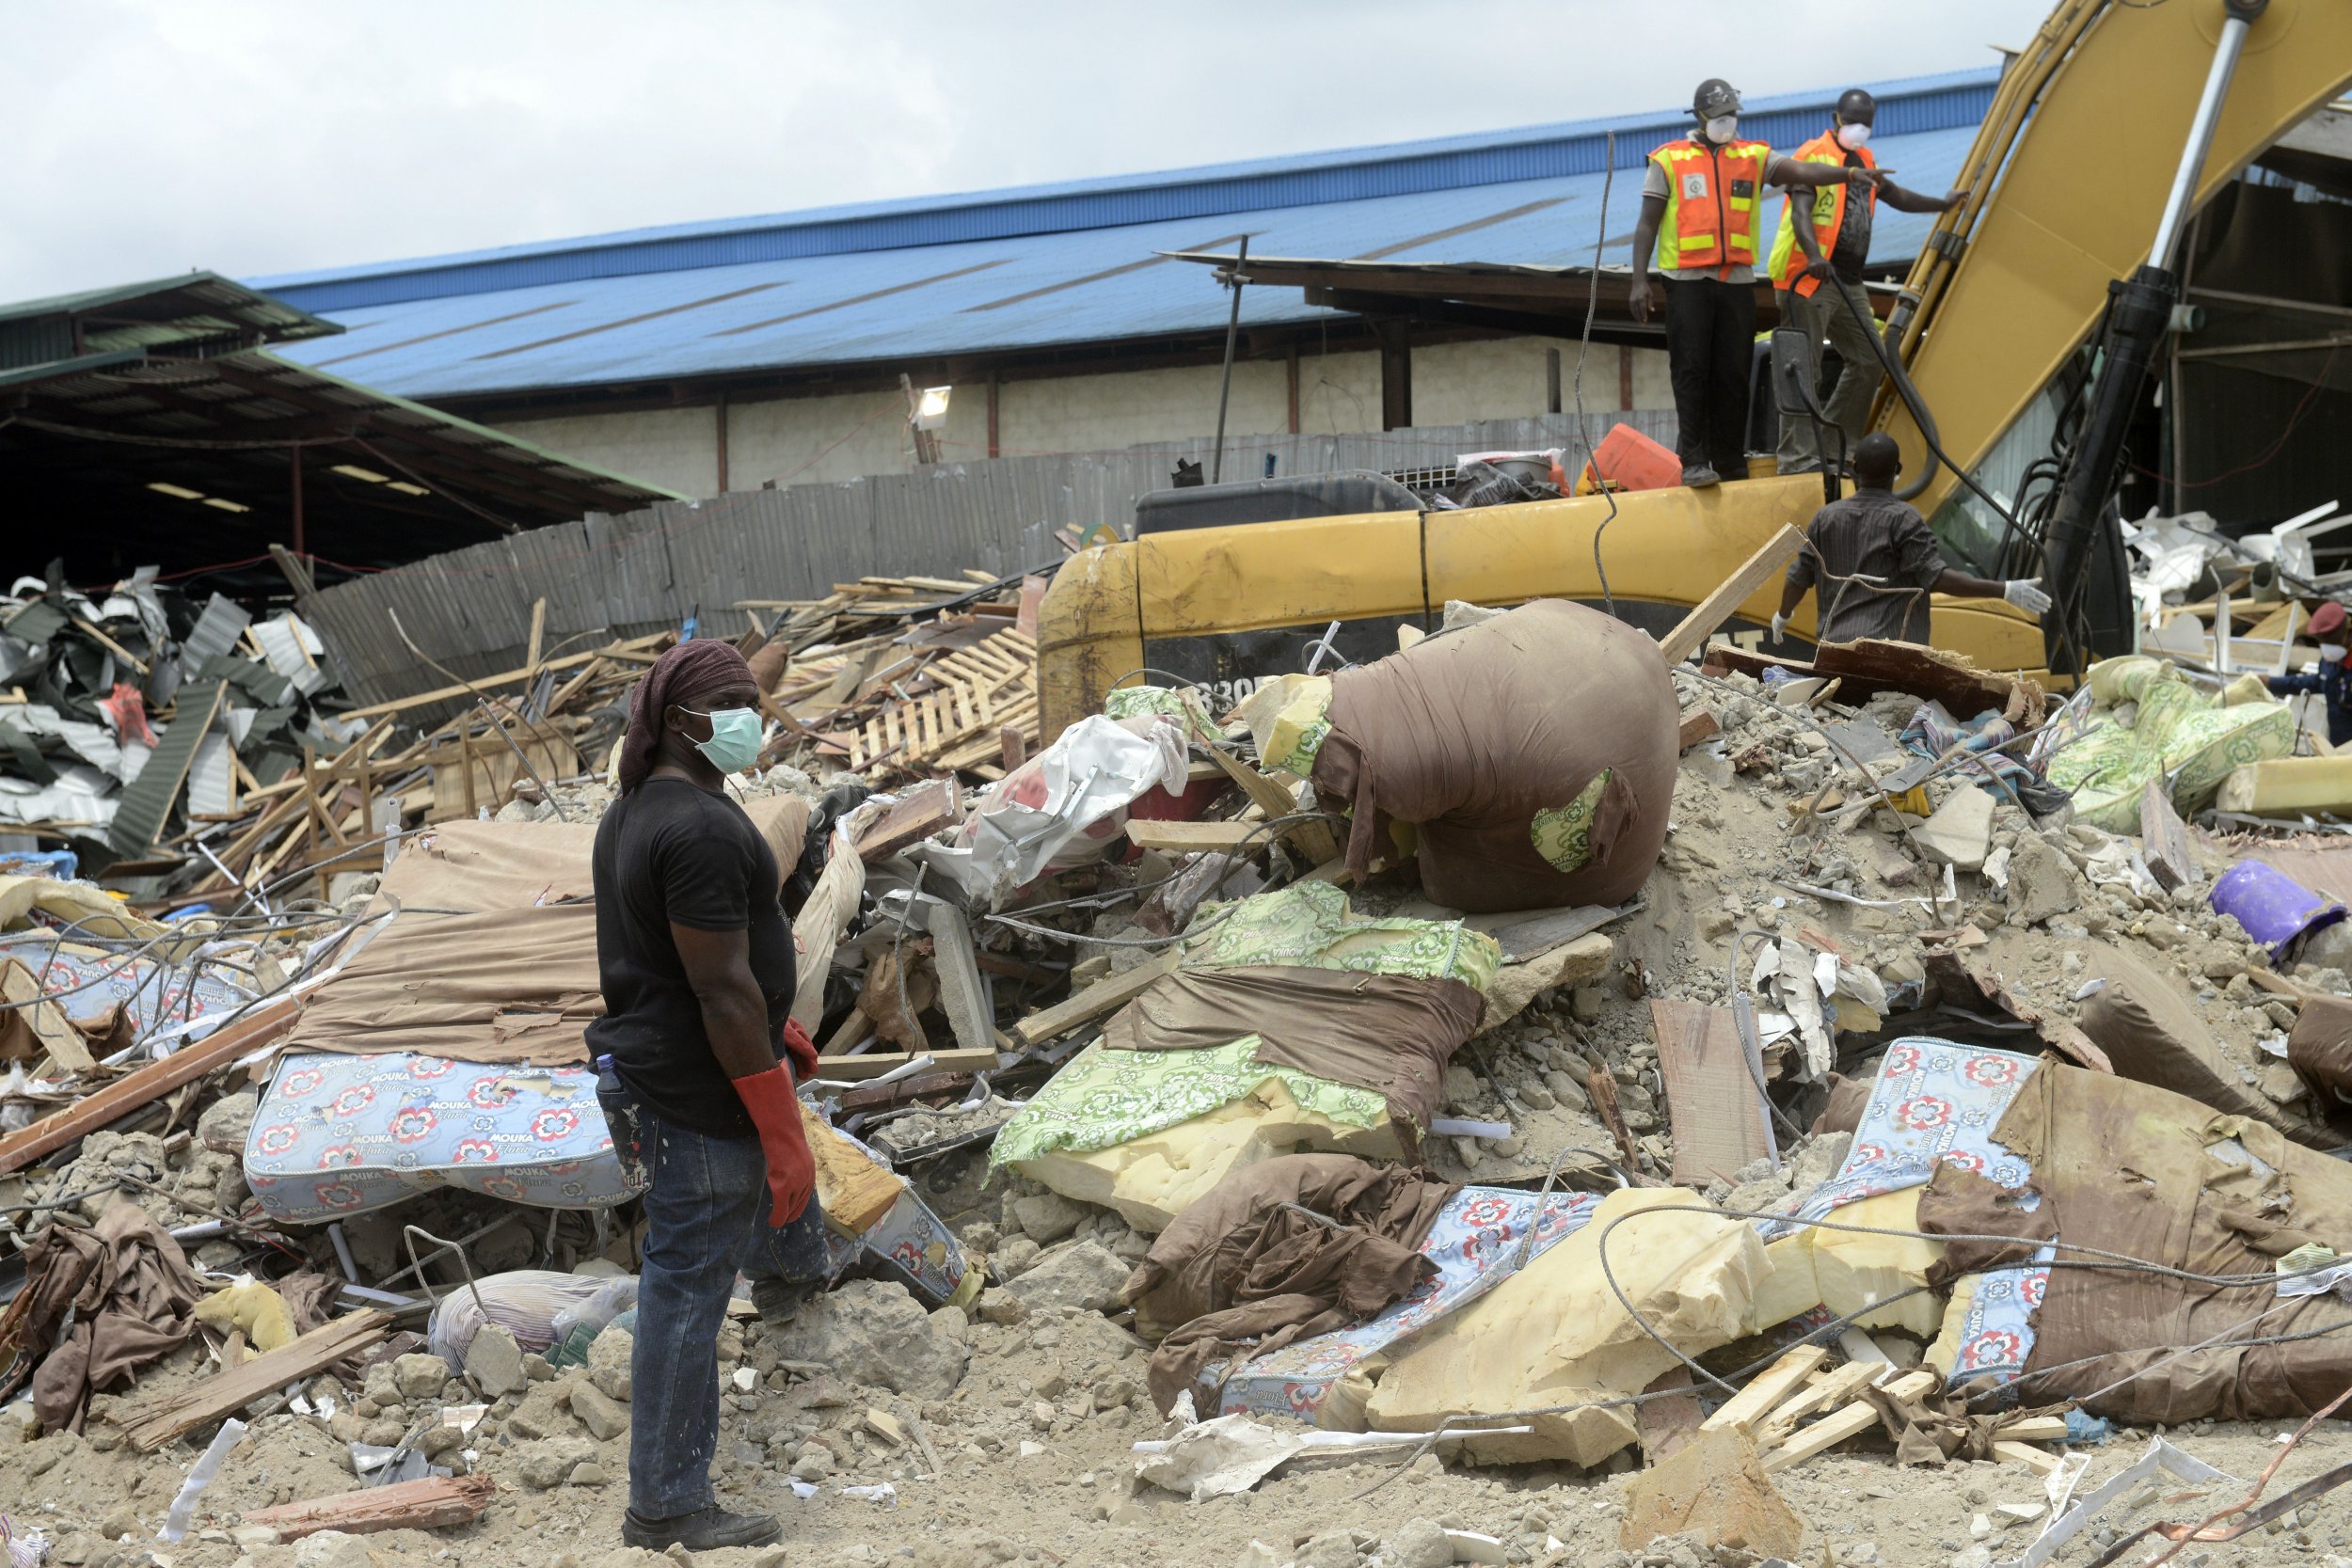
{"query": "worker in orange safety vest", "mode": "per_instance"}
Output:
(1703, 223)
(1832, 238)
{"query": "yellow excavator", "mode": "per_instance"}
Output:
(2106, 135)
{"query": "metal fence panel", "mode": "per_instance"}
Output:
(627, 573)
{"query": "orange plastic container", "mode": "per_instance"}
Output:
(1630, 461)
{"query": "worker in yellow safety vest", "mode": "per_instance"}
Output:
(1831, 239)
(1703, 221)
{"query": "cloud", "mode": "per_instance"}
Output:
(254, 136)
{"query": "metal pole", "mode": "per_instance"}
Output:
(294, 460)
(1232, 333)
(2225, 57)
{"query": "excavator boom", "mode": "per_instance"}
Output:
(2068, 179)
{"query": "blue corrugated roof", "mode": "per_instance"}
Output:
(1041, 265)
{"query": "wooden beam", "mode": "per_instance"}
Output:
(1852, 1422)
(1711, 1097)
(922, 811)
(873, 1064)
(1191, 838)
(1733, 591)
(149, 1084)
(1746, 1410)
(512, 677)
(2040, 1461)
(1314, 840)
(48, 1022)
(1105, 995)
(152, 1422)
(429, 1504)
(1697, 725)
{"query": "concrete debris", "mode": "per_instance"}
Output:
(1959, 834)
(1826, 1006)
(876, 1334)
(1716, 1492)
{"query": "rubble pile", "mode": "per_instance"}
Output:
(1201, 1189)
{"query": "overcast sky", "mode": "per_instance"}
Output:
(257, 137)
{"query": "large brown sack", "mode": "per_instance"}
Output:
(1469, 735)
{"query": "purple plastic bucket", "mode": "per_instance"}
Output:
(2274, 907)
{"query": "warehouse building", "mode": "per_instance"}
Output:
(732, 354)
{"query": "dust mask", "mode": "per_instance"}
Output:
(1852, 136)
(735, 737)
(2330, 653)
(1721, 128)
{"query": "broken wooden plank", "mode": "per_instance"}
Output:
(1315, 840)
(50, 1025)
(1852, 1422)
(149, 1423)
(1746, 1410)
(1830, 1387)
(2033, 1428)
(150, 1083)
(1105, 995)
(925, 810)
(2040, 1461)
(873, 1064)
(431, 1503)
(1194, 838)
(634, 649)
(1869, 666)
(1719, 1119)
(1733, 591)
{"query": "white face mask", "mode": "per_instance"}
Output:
(1852, 136)
(1721, 128)
(2331, 653)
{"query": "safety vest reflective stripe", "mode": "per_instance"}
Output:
(1713, 214)
(1828, 204)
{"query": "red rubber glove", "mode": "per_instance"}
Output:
(800, 1051)
(777, 1112)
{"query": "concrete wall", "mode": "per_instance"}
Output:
(672, 447)
(810, 440)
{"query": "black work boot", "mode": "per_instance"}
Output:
(705, 1529)
(779, 1300)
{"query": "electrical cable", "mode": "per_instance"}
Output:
(2073, 640)
(1583, 346)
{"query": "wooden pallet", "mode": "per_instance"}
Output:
(976, 691)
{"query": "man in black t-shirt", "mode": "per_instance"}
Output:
(695, 958)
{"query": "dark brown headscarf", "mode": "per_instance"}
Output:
(688, 674)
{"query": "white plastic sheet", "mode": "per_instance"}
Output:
(200, 1475)
(1062, 808)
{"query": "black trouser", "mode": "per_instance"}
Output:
(1710, 339)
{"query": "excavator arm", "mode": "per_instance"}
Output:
(2069, 179)
(2105, 134)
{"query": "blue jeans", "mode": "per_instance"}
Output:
(706, 1209)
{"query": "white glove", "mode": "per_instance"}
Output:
(2026, 594)
(1780, 625)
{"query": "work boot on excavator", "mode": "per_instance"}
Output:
(1698, 476)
